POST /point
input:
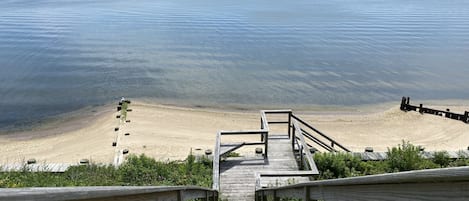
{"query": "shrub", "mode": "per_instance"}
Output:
(407, 157)
(337, 165)
(441, 158)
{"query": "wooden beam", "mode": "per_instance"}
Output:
(108, 193)
(432, 185)
(243, 132)
(216, 164)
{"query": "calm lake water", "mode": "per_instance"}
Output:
(57, 56)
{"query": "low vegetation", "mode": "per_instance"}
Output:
(404, 157)
(137, 170)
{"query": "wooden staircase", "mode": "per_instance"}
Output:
(286, 158)
(238, 174)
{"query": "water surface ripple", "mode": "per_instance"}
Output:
(58, 56)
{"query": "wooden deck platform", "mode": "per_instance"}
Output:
(238, 174)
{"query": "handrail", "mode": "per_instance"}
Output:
(303, 149)
(264, 132)
(217, 154)
(318, 141)
(98, 193)
(333, 142)
(434, 184)
(216, 164)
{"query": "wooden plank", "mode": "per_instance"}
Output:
(243, 132)
(265, 125)
(278, 122)
(276, 111)
(309, 157)
(216, 164)
(290, 173)
(102, 193)
(238, 175)
(435, 184)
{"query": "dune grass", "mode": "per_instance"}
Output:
(136, 171)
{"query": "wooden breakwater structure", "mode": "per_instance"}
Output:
(406, 106)
(123, 109)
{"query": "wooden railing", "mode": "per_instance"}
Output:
(297, 132)
(232, 147)
(169, 193)
(322, 140)
(432, 185)
(306, 160)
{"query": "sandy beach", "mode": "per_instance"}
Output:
(170, 132)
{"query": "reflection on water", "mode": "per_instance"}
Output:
(57, 56)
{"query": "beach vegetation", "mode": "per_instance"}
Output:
(404, 157)
(441, 158)
(136, 171)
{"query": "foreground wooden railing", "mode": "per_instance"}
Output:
(169, 193)
(436, 184)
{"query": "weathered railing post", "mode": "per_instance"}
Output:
(266, 144)
(293, 138)
(306, 194)
(262, 128)
(289, 124)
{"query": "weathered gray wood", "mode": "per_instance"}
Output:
(37, 167)
(243, 132)
(216, 164)
(285, 111)
(102, 193)
(265, 124)
(309, 157)
(225, 149)
(435, 184)
(318, 141)
(319, 132)
(278, 122)
(238, 175)
(290, 173)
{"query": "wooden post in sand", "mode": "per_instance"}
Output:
(466, 116)
(403, 105)
(421, 108)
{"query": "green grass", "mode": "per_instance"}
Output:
(404, 157)
(136, 171)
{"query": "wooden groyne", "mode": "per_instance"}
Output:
(406, 106)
